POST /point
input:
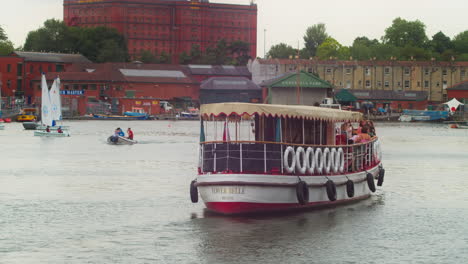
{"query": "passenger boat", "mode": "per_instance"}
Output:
(256, 158)
(121, 141)
(422, 115)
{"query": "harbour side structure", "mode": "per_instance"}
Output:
(169, 26)
(399, 83)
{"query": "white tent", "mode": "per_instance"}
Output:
(453, 104)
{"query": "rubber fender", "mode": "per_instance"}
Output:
(380, 179)
(331, 190)
(370, 182)
(193, 192)
(302, 193)
(350, 188)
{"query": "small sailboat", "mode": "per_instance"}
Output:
(50, 110)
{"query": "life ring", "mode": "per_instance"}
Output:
(342, 160)
(335, 160)
(380, 179)
(194, 192)
(302, 192)
(331, 190)
(379, 151)
(319, 161)
(289, 168)
(370, 182)
(374, 150)
(350, 188)
(300, 159)
(310, 161)
(327, 160)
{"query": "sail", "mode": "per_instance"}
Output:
(55, 101)
(46, 115)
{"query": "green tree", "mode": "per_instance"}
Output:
(221, 52)
(330, 48)
(404, 33)
(240, 52)
(147, 57)
(281, 51)
(6, 46)
(440, 43)
(365, 41)
(110, 51)
(314, 37)
(184, 58)
(360, 51)
(51, 37)
(196, 55)
(460, 42)
(415, 53)
(384, 51)
(164, 58)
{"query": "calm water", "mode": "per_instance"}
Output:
(79, 200)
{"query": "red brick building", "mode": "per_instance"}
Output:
(20, 68)
(170, 26)
(459, 91)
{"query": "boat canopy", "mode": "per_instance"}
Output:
(289, 111)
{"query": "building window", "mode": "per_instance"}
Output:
(444, 72)
(84, 87)
(407, 84)
(348, 70)
(444, 84)
(426, 71)
(367, 71)
(66, 87)
(328, 70)
(31, 69)
(386, 84)
(130, 94)
(367, 83)
(437, 84)
(93, 87)
(426, 84)
(419, 84)
(8, 68)
(118, 88)
(49, 68)
(59, 68)
(379, 83)
(76, 87)
(407, 70)
(398, 84)
(387, 70)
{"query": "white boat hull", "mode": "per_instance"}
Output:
(42, 127)
(251, 193)
(42, 133)
(121, 141)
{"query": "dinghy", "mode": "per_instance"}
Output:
(120, 141)
(43, 133)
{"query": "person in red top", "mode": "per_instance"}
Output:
(130, 133)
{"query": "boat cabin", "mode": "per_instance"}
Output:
(280, 139)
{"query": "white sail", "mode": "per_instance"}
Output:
(46, 115)
(55, 101)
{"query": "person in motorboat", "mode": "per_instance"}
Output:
(59, 129)
(130, 133)
(120, 132)
(47, 129)
(114, 138)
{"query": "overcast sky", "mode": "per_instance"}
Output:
(285, 21)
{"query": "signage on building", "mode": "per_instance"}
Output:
(72, 92)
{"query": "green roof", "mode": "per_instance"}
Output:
(345, 96)
(306, 80)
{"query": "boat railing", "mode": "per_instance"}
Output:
(253, 157)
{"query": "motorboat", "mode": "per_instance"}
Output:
(27, 115)
(112, 140)
(257, 158)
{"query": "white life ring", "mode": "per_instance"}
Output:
(319, 161)
(375, 150)
(340, 154)
(335, 160)
(310, 161)
(289, 168)
(327, 160)
(379, 151)
(301, 163)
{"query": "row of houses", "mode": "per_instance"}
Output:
(118, 87)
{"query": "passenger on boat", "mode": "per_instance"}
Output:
(120, 132)
(59, 129)
(363, 137)
(371, 130)
(47, 129)
(130, 133)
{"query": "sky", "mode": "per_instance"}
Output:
(285, 21)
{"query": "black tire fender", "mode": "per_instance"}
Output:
(370, 182)
(302, 192)
(331, 190)
(380, 180)
(193, 192)
(350, 188)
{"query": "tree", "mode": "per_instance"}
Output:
(184, 58)
(110, 51)
(281, 51)
(415, 53)
(147, 57)
(406, 33)
(196, 55)
(52, 37)
(164, 58)
(314, 37)
(440, 43)
(329, 49)
(240, 52)
(384, 51)
(6, 46)
(221, 52)
(460, 42)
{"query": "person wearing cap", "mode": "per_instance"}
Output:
(130, 133)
